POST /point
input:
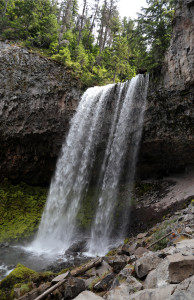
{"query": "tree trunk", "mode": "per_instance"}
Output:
(82, 21)
(5, 9)
(93, 22)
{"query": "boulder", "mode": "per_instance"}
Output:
(119, 293)
(96, 272)
(146, 263)
(88, 282)
(60, 277)
(184, 290)
(87, 295)
(102, 269)
(162, 293)
(188, 218)
(132, 258)
(134, 284)
(130, 249)
(127, 271)
(173, 269)
(142, 235)
(117, 262)
(104, 284)
(150, 281)
(189, 244)
(79, 246)
(73, 287)
(140, 251)
(188, 230)
(123, 291)
(179, 267)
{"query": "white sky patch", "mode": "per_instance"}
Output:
(126, 8)
(130, 8)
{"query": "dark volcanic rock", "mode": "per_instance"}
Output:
(37, 99)
(168, 139)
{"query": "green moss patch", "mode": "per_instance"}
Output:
(20, 274)
(21, 208)
(23, 278)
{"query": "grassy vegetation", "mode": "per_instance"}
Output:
(160, 232)
(20, 210)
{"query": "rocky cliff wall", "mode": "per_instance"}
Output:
(168, 140)
(178, 71)
(37, 99)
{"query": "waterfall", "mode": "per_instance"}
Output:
(58, 228)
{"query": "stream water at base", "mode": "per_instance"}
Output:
(12, 255)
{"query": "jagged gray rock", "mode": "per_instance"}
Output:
(87, 295)
(184, 290)
(146, 263)
(173, 269)
(162, 293)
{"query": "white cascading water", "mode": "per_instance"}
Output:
(127, 131)
(58, 229)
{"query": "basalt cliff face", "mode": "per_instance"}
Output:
(168, 140)
(38, 98)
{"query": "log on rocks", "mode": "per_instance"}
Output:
(80, 270)
(93, 263)
(53, 288)
(159, 240)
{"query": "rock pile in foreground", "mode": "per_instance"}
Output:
(134, 271)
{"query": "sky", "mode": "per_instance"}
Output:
(129, 8)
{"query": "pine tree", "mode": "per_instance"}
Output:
(155, 24)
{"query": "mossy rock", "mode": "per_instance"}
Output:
(22, 277)
(21, 208)
(112, 252)
(20, 274)
(126, 240)
(3, 295)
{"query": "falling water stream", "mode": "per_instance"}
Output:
(111, 115)
(58, 228)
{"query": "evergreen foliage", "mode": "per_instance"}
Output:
(93, 40)
(155, 25)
